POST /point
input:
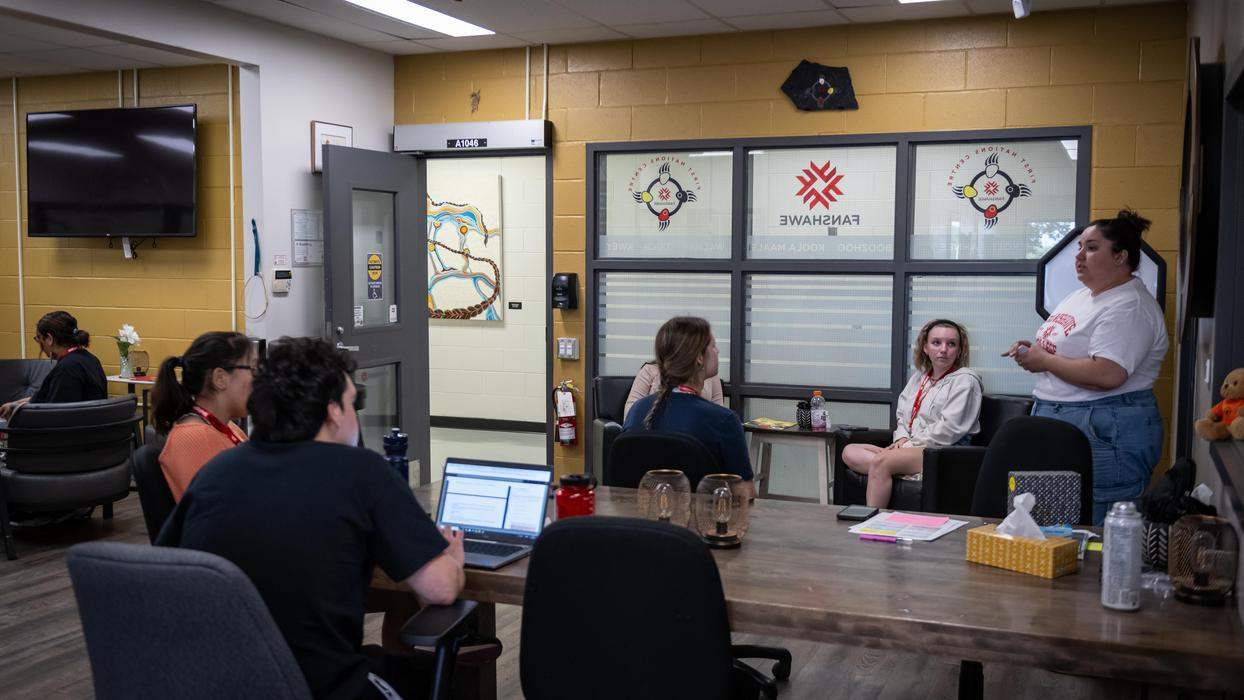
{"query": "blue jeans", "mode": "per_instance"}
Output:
(1125, 434)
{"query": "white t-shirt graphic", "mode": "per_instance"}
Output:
(1123, 325)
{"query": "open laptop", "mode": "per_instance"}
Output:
(500, 506)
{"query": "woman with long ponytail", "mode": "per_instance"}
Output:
(196, 410)
(686, 353)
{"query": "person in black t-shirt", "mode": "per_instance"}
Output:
(307, 515)
(77, 376)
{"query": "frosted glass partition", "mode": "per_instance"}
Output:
(997, 310)
(631, 306)
(818, 330)
(993, 201)
(664, 205)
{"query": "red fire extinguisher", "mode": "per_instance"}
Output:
(563, 406)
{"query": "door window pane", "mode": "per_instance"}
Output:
(819, 330)
(375, 260)
(996, 311)
(821, 203)
(664, 205)
(993, 201)
(380, 404)
(631, 307)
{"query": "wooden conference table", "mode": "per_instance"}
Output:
(801, 575)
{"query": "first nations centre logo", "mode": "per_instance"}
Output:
(993, 189)
(819, 185)
(664, 195)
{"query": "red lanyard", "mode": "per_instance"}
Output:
(215, 423)
(68, 350)
(915, 405)
(684, 389)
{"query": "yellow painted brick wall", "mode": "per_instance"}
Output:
(1119, 69)
(177, 288)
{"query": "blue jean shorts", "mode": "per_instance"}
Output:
(1125, 434)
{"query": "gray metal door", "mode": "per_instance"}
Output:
(375, 279)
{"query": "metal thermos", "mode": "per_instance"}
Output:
(1121, 558)
(395, 443)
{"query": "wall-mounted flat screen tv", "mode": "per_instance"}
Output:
(111, 172)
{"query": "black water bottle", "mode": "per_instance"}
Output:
(395, 444)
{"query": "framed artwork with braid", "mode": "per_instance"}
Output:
(465, 248)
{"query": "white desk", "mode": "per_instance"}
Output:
(132, 383)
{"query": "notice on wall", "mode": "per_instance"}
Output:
(307, 233)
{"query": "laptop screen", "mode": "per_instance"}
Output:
(494, 497)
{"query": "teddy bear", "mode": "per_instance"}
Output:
(1226, 418)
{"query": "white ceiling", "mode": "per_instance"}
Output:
(528, 22)
(32, 48)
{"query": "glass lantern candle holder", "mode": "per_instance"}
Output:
(665, 495)
(1202, 559)
(721, 509)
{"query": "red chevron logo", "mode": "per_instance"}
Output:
(819, 185)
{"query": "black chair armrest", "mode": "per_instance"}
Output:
(604, 432)
(781, 670)
(842, 438)
(434, 622)
(758, 682)
(950, 478)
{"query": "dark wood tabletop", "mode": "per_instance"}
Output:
(801, 574)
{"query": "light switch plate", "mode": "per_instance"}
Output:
(567, 348)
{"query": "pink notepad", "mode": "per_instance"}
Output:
(921, 520)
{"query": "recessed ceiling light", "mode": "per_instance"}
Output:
(420, 16)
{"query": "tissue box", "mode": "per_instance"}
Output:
(1048, 558)
(1057, 493)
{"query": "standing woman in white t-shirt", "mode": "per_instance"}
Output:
(1097, 357)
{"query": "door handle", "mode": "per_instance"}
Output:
(347, 348)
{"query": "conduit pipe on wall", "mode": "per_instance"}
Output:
(233, 259)
(544, 107)
(17, 225)
(527, 86)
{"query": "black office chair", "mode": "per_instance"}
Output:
(948, 474)
(654, 627)
(154, 494)
(63, 456)
(1032, 443)
(609, 402)
(635, 452)
(162, 622)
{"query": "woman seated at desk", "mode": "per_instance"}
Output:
(77, 376)
(940, 406)
(686, 356)
(196, 411)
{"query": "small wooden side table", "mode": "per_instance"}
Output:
(760, 447)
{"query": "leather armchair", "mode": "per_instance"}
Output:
(949, 473)
(21, 378)
(608, 404)
(61, 456)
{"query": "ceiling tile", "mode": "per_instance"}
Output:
(788, 20)
(862, 3)
(924, 10)
(568, 36)
(982, 7)
(337, 12)
(399, 47)
(612, 12)
(84, 59)
(661, 29)
(512, 16)
(474, 43)
(731, 8)
(150, 55)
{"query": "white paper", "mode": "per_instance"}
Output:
(358, 316)
(909, 532)
(565, 404)
(280, 260)
(308, 253)
(306, 228)
(392, 313)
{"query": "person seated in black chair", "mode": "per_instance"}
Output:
(939, 406)
(686, 355)
(197, 411)
(648, 382)
(307, 515)
(77, 375)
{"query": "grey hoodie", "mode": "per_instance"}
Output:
(949, 410)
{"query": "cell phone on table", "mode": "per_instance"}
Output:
(856, 513)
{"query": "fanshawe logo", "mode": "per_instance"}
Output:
(992, 189)
(664, 195)
(1053, 330)
(819, 185)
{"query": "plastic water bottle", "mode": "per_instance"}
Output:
(820, 419)
(1121, 558)
(395, 444)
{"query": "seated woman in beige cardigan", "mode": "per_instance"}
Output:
(648, 381)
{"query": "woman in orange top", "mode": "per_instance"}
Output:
(196, 411)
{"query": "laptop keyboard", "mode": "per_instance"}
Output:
(495, 549)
